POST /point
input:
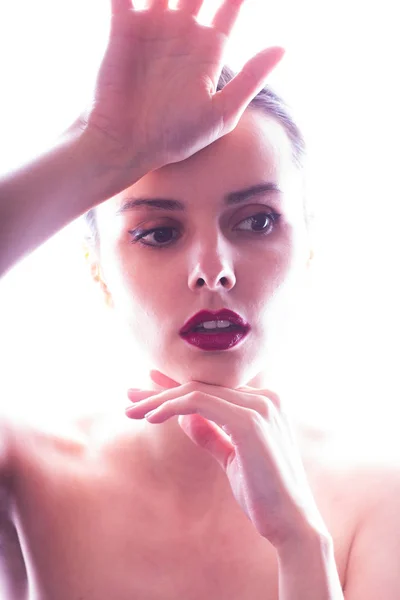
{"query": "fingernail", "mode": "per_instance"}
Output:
(149, 413)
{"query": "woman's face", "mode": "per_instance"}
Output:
(211, 255)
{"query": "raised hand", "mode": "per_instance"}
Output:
(155, 90)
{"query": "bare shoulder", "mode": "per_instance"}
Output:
(28, 433)
(360, 455)
(61, 440)
(45, 439)
(373, 481)
(352, 472)
(370, 463)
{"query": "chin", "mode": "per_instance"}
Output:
(220, 380)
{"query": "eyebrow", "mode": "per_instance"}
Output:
(134, 203)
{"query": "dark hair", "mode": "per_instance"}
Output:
(267, 102)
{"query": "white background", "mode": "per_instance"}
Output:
(340, 76)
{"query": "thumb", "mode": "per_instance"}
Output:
(163, 380)
(120, 6)
(206, 434)
(234, 98)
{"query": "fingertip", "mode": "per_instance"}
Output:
(279, 49)
(274, 53)
(120, 6)
(279, 52)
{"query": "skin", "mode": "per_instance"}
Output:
(154, 291)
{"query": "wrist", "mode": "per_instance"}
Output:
(308, 570)
(310, 540)
(109, 168)
(72, 176)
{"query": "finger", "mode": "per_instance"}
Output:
(139, 395)
(163, 380)
(229, 417)
(148, 401)
(190, 6)
(233, 99)
(273, 396)
(158, 4)
(209, 436)
(145, 401)
(226, 16)
(120, 6)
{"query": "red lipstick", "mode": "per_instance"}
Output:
(218, 338)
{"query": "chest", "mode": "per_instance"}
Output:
(94, 533)
(103, 546)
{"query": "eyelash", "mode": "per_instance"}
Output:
(138, 234)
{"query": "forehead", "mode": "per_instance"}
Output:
(258, 149)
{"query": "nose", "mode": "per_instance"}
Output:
(214, 284)
(213, 277)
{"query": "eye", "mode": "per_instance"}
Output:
(259, 219)
(159, 233)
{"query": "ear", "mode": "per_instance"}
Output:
(96, 273)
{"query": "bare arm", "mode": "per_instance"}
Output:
(373, 565)
(4, 453)
(45, 195)
(13, 575)
(309, 571)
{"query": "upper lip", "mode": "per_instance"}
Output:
(207, 315)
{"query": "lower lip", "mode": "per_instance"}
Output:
(215, 341)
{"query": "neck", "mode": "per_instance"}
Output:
(179, 465)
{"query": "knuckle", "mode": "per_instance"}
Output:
(273, 397)
(255, 420)
(264, 409)
(193, 396)
(277, 401)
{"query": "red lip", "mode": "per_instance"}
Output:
(206, 315)
(215, 341)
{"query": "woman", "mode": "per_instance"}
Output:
(195, 202)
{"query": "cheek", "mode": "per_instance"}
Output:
(271, 265)
(143, 299)
(275, 281)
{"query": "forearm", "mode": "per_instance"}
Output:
(308, 571)
(43, 196)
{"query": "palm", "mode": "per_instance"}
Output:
(187, 60)
(156, 84)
